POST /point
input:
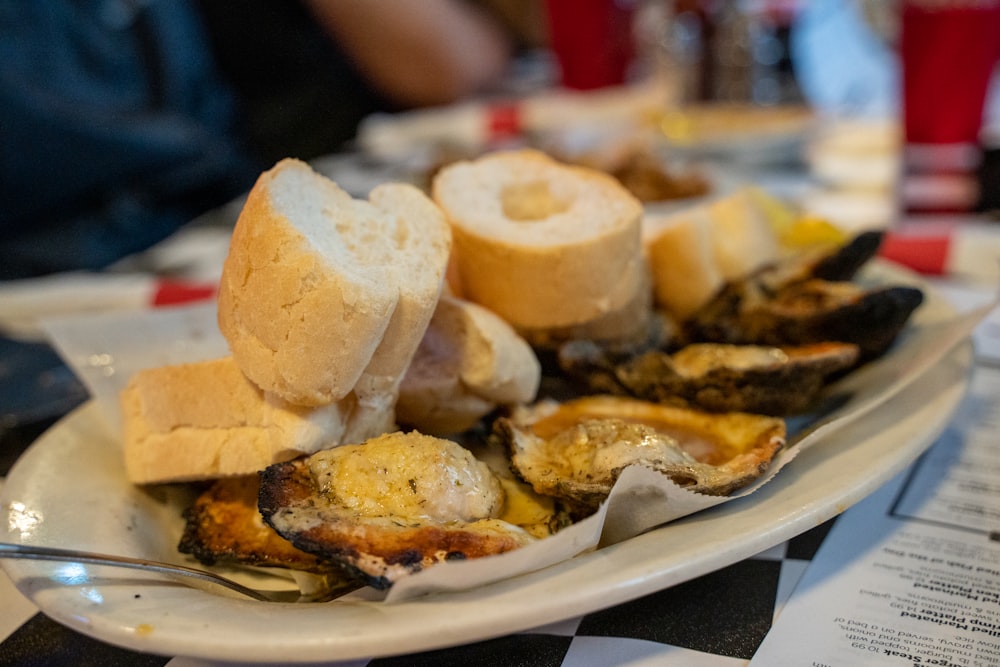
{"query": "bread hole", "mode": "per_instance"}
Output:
(531, 200)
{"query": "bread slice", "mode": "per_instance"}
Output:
(421, 246)
(682, 260)
(694, 251)
(742, 238)
(469, 362)
(619, 329)
(314, 278)
(206, 420)
(540, 243)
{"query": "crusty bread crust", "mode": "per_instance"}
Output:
(469, 362)
(284, 307)
(540, 243)
(421, 245)
(323, 301)
(695, 251)
(206, 420)
(622, 328)
(322, 294)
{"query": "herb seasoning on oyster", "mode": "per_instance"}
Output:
(390, 506)
(576, 450)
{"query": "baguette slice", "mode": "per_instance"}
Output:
(313, 280)
(469, 362)
(540, 243)
(622, 328)
(206, 420)
(422, 245)
(695, 251)
(742, 238)
(682, 260)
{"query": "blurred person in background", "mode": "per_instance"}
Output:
(120, 120)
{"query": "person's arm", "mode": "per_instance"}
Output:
(418, 52)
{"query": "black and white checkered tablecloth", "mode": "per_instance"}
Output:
(725, 613)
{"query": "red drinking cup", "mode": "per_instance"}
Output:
(591, 40)
(948, 49)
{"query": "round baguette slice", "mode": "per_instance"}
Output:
(469, 362)
(419, 260)
(540, 243)
(627, 326)
(314, 277)
(682, 260)
(695, 251)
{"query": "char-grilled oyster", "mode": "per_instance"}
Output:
(576, 450)
(747, 312)
(713, 376)
(836, 263)
(844, 263)
(223, 525)
(389, 507)
(807, 298)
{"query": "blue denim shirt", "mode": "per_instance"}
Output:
(115, 128)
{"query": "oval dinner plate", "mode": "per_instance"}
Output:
(69, 490)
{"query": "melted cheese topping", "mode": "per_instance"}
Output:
(411, 477)
(599, 446)
(698, 359)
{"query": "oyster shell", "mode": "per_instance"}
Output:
(576, 450)
(800, 313)
(390, 506)
(224, 525)
(540, 516)
(844, 263)
(714, 376)
(837, 263)
(807, 298)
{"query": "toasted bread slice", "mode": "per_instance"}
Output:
(541, 243)
(323, 294)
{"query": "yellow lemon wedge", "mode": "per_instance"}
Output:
(794, 229)
(811, 230)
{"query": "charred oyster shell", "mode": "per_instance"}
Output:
(389, 507)
(800, 313)
(223, 525)
(845, 262)
(714, 376)
(807, 298)
(576, 450)
(839, 263)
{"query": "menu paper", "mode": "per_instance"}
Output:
(911, 575)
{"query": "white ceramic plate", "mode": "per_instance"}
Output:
(69, 490)
(746, 134)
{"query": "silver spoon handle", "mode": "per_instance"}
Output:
(32, 552)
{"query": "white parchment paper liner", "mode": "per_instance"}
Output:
(105, 350)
